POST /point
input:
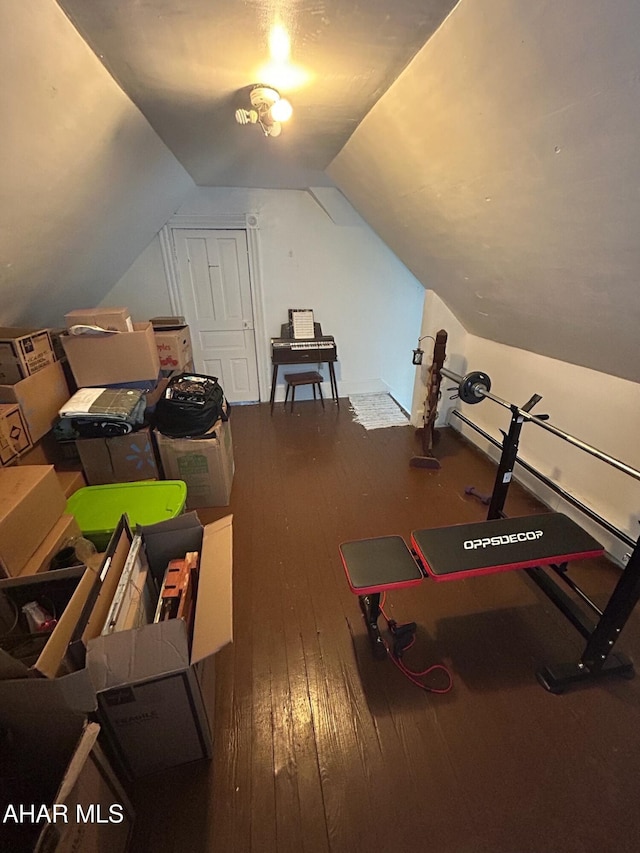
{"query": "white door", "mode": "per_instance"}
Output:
(213, 268)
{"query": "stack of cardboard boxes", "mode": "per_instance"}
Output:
(141, 684)
(126, 358)
(145, 355)
(205, 463)
(33, 523)
(173, 340)
(40, 369)
(33, 386)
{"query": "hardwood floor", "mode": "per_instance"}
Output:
(322, 749)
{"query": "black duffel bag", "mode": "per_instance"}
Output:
(190, 406)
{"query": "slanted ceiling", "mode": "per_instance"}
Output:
(85, 183)
(503, 168)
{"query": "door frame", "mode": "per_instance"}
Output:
(249, 223)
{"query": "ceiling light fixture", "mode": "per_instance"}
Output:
(268, 110)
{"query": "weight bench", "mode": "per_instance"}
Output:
(373, 566)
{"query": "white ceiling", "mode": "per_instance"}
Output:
(187, 65)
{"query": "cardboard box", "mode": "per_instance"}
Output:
(146, 679)
(98, 360)
(71, 481)
(14, 437)
(118, 319)
(142, 667)
(31, 502)
(93, 810)
(54, 334)
(37, 744)
(166, 323)
(79, 597)
(64, 594)
(23, 352)
(42, 452)
(142, 719)
(205, 464)
(174, 348)
(61, 534)
(120, 459)
(40, 397)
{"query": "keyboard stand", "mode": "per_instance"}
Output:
(306, 356)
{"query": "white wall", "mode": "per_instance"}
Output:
(360, 292)
(143, 288)
(597, 408)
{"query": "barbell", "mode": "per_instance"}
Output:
(476, 386)
(473, 387)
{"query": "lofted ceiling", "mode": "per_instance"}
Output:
(492, 146)
(188, 64)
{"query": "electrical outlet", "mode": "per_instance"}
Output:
(626, 557)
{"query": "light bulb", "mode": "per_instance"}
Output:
(246, 116)
(281, 110)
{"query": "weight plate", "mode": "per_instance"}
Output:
(468, 385)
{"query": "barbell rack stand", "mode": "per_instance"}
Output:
(527, 416)
(598, 658)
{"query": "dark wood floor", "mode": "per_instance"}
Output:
(318, 747)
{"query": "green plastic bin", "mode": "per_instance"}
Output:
(97, 509)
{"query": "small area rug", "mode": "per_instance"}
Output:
(376, 411)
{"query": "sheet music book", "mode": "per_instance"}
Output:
(302, 322)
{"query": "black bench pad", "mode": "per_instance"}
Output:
(378, 564)
(485, 547)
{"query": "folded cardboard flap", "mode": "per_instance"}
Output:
(43, 709)
(213, 627)
(40, 734)
(89, 786)
(40, 396)
(31, 502)
(132, 656)
(118, 319)
(170, 540)
(63, 531)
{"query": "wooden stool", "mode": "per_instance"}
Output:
(311, 377)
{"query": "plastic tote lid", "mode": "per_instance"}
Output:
(97, 509)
